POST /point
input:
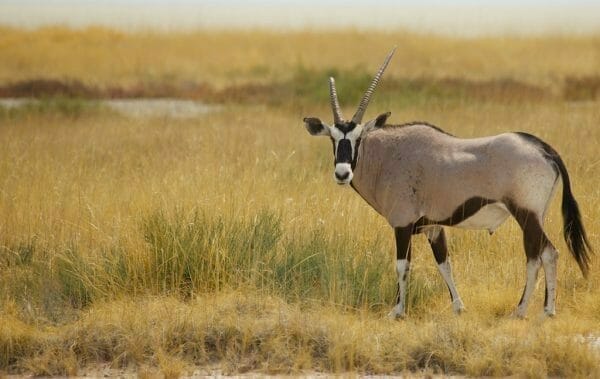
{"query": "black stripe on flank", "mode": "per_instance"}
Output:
(464, 211)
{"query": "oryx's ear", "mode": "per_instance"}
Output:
(315, 127)
(378, 122)
(381, 119)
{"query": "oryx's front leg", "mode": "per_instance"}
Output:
(403, 235)
(437, 241)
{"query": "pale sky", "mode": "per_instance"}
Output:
(456, 17)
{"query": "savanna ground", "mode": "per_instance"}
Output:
(220, 242)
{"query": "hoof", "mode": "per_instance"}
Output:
(519, 314)
(549, 312)
(458, 307)
(395, 315)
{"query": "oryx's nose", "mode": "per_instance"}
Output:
(343, 173)
(342, 176)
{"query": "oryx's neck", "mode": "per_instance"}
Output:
(365, 169)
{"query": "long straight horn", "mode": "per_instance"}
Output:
(335, 105)
(362, 107)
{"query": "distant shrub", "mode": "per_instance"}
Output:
(581, 88)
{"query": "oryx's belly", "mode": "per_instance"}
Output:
(489, 217)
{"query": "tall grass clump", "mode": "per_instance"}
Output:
(77, 277)
(87, 276)
(195, 253)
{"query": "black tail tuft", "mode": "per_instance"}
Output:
(574, 232)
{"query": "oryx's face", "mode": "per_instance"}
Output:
(345, 138)
(345, 135)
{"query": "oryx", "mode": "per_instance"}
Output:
(421, 179)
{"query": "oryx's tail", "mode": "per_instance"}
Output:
(573, 231)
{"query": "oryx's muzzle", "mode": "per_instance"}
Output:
(343, 173)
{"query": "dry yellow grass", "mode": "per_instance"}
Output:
(103, 219)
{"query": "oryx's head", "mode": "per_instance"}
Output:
(346, 135)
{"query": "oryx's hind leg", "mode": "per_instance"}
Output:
(437, 240)
(539, 251)
(549, 260)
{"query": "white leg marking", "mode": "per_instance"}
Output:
(549, 260)
(446, 271)
(402, 269)
(533, 267)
